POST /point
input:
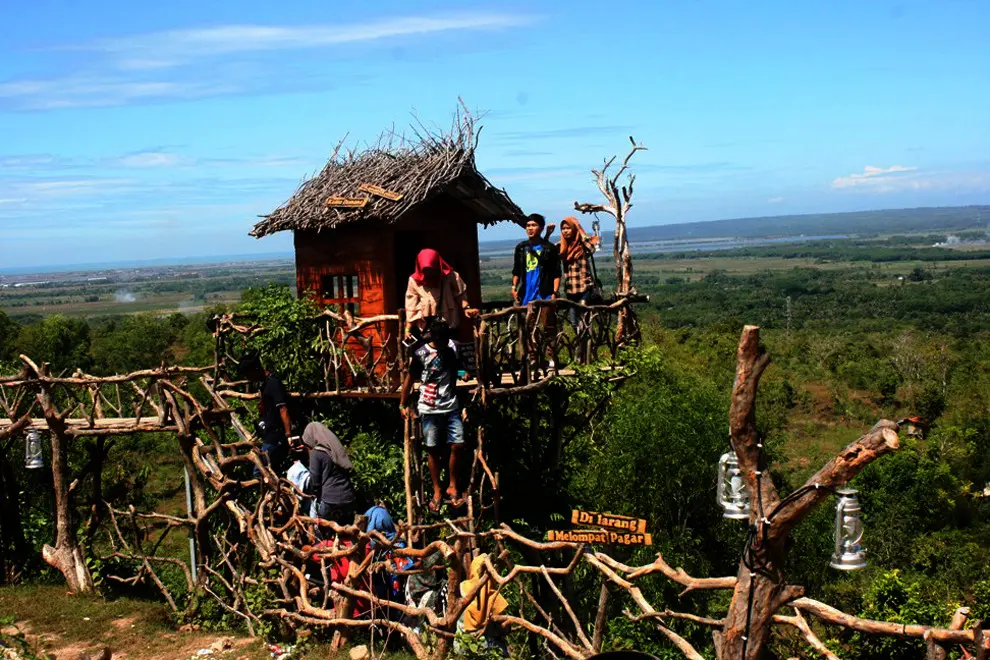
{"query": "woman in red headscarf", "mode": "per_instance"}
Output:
(576, 250)
(435, 289)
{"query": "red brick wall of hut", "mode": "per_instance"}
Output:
(382, 257)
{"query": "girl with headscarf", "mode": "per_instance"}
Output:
(329, 468)
(435, 289)
(486, 604)
(576, 248)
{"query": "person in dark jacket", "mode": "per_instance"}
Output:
(329, 469)
(536, 276)
(535, 265)
(274, 424)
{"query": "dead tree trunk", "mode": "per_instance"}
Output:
(618, 198)
(67, 555)
(760, 589)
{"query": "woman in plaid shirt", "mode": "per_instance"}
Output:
(576, 248)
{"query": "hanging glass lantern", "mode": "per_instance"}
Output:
(732, 494)
(849, 554)
(33, 458)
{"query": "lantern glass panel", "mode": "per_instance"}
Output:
(849, 554)
(33, 457)
(731, 490)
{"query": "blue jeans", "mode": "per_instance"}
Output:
(273, 453)
(581, 298)
(449, 424)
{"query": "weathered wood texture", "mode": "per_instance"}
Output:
(760, 589)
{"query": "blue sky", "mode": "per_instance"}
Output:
(134, 131)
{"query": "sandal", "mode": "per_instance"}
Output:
(434, 505)
(456, 501)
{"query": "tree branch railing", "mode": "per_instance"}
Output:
(259, 557)
(513, 348)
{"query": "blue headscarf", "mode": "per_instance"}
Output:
(379, 520)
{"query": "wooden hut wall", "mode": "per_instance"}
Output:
(357, 250)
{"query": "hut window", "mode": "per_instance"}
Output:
(341, 290)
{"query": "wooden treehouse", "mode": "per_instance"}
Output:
(357, 228)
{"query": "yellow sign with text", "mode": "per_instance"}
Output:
(348, 202)
(372, 189)
(599, 536)
(608, 520)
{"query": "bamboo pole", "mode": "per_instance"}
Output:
(407, 448)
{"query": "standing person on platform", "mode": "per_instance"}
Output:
(435, 364)
(435, 289)
(576, 250)
(274, 424)
(329, 470)
(535, 265)
(536, 276)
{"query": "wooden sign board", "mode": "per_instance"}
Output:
(609, 521)
(349, 202)
(372, 189)
(599, 536)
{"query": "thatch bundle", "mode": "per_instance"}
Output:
(418, 168)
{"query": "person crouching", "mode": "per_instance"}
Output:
(329, 476)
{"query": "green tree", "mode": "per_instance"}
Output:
(9, 329)
(135, 342)
(62, 342)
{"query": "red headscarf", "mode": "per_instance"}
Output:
(575, 248)
(430, 259)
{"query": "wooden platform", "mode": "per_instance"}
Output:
(150, 424)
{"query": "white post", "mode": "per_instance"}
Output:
(192, 534)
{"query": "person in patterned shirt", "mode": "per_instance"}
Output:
(576, 248)
(435, 364)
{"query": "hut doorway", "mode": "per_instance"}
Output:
(407, 246)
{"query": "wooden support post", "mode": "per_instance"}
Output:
(601, 618)
(934, 650)
(524, 370)
(407, 474)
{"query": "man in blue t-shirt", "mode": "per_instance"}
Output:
(535, 265)
(536, 276)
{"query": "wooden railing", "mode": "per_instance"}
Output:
(512, 347)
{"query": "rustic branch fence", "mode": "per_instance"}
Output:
(258, 556)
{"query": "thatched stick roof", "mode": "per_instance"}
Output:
(418, 168)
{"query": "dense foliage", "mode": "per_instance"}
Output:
(850, 345)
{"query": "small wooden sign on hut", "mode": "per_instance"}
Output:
(348, 202)
(372, 189)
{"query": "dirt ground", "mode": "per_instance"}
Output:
(68, 627)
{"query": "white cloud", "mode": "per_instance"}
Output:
(149, 159)
(872, 176)
(67, 187)
(96, 92)
(26, 161)
(169, 48)
(900, 178)
(195, 63)
(775, 200)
